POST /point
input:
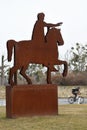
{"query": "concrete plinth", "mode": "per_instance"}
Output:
(31, 100)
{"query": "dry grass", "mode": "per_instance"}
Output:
(71, 117)
(2, 92)
(63, 91)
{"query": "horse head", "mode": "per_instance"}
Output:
(54, 34)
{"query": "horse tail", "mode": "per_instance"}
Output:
(10, 45)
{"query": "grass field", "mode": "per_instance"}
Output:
(71, 117)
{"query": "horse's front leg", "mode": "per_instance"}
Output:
(60, 62)
(65, 71)
(49, 76)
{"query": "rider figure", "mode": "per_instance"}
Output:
(76, 91)
(38, 31)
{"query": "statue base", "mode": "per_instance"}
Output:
(31, 100)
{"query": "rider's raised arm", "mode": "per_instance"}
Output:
(52, 25)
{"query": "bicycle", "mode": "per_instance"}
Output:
(78, 99)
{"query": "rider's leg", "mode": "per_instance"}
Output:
(75, 96)
(79, 100)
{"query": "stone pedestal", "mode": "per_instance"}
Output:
(31, 100)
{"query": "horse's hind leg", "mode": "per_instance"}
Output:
(22, 72)
(12, 72)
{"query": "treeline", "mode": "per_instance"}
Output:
(73, 78)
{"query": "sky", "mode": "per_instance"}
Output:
(17, 18)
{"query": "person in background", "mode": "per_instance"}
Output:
(76, 92)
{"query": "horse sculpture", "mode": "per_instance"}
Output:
(26, 52)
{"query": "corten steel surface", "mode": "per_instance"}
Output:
(31, 100)
(41, 49)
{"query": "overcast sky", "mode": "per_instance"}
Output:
(17, 18)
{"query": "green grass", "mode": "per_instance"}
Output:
(71, 117)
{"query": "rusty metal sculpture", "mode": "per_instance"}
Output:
(40, 50)
(29, 100)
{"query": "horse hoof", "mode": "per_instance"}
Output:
(12, 84)
(49, 82)
(29, 82)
